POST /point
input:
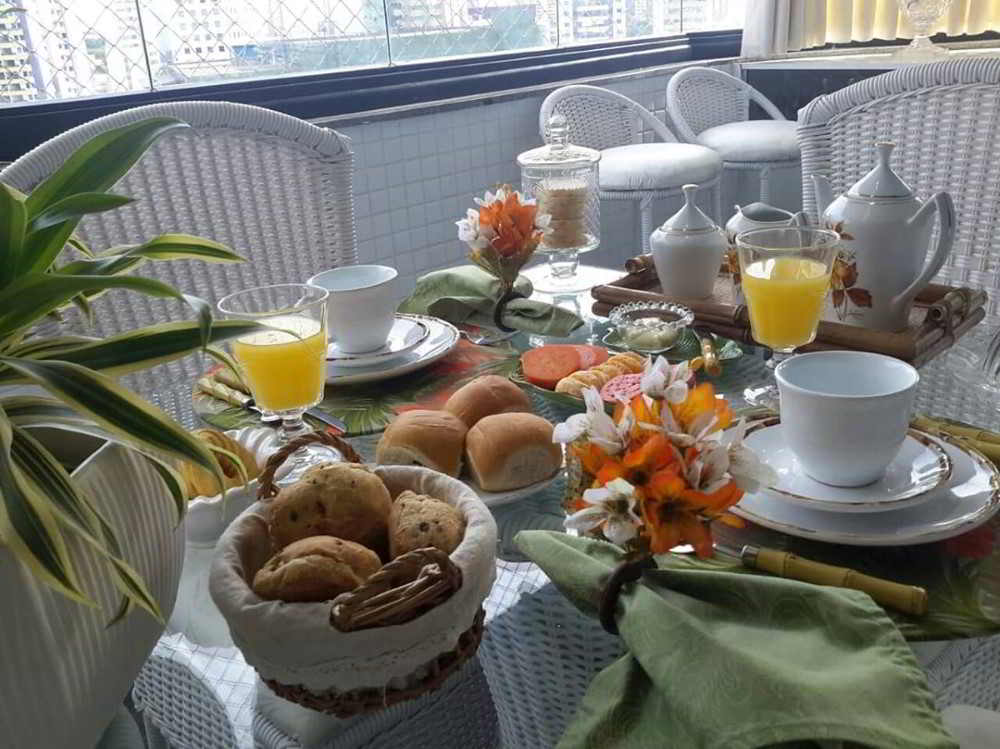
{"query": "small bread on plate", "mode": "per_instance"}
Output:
(485, 396)
(318, 568)
(510, 451)
(432, 439)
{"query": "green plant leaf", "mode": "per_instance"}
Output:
(29, 529)
(78, 515)
(101, 161)
(13, 226)
(54, 482)
(49, 345)
(78, 244)
(177, 247)
(121, 412)
(76, 206)
(32, 296)
(136, 350)
(124, 608)
(175, 485)
(111, 266)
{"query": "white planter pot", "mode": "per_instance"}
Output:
(65, 673)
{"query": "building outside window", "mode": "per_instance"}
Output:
(73, 48)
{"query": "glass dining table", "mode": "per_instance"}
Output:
(196, 681)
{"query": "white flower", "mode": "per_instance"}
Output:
(595, 425)
(661, 379)
(708, 472)
(613, 507)
(471, 232)
(749, 472)
(704, 428)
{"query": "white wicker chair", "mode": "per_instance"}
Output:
(631, 169)
(944, 119)
(273, 187)
(711, 108)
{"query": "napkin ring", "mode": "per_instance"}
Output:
(627, 572)
(508, 296)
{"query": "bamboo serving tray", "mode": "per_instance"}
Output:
(941, 315)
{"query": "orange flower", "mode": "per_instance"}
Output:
(669, 525)
(513, 225)
(701, 400)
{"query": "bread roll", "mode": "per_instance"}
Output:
(418, 521)
(509, 451)
(433, 439)
(199, 482)
(318, 568)
(485, 396)
(345, 500)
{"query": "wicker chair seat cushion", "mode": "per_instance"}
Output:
(753, 140)
(295, 644)
(657, 166)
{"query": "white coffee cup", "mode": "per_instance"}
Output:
(845, 413)
(361, 307)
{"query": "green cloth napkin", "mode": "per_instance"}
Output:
(467, 294)
(723, 660)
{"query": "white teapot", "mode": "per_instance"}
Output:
(885, 232)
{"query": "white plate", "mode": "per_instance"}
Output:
(968, 499)
(495, 499)
(921, 466)
(441, 339)
(406, 334)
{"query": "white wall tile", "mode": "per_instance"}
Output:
(417, 175)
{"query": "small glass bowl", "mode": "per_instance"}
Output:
(650, 327)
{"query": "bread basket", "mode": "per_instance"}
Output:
(395, 638)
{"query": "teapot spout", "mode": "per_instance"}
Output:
(823, 192)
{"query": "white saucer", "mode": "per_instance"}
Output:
(968, 499)
(495, 499)
(442, 337)
(406, 334)
(921, 466)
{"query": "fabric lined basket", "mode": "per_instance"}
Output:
(398, 636)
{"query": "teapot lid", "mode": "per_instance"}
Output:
(763, 212)
(690, 217)
(881, 181)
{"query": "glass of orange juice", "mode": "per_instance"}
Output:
(284, 363)
(786, 276)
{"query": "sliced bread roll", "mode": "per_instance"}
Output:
(433, 439)
(485, 396)
(509, 451)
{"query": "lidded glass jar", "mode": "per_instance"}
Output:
(563, 179)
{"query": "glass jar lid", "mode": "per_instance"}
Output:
(559, 153)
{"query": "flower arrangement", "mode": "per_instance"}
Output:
(657, 472)
(503, 233)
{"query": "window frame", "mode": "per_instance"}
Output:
(354, 92)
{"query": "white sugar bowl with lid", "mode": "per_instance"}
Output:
(687, 251)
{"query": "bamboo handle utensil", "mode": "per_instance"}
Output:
(909, 599)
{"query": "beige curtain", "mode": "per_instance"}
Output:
(778, 26)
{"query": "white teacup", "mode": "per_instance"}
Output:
(845, 413)
(361, 307)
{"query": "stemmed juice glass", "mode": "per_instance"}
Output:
(285, 363)
(785, 274)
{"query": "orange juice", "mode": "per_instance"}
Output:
(285, 367)
(785, 298)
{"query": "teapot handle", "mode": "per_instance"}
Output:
(945, 208)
